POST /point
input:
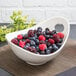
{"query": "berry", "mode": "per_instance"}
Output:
(47, 32)
(48, 44)
(37, 53)
(32, 43)
(27, 41)
(28, 44)
(28, 48)
(48, 51)
(37, 41)
(32, 38)
(41, 37)
(15, 41)
(50, 32)
(61, 35)
(50, 47)
(39, 29)
(42, 47)
(39, 33)
(51, 36)
(47, 36)
(33, 50)
(59, 44)
(37, 48)
(54, 32)
(35, 36)
(46, 29)
(42, 52)
(51, 41)
(22, 44)
(54, 47)
(30, 33)
(56, 38)
(61, 40)
(19, 36)
(43, 33)
(42, 42)
(33, 46)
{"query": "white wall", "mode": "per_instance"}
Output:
(38, 9)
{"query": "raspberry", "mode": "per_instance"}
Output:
(30, 33)
(15, 41)
(19, 36)
(61, 35)
(22, 44)
(42, 47)
(51, 41)
(27, 41)
(41, 37)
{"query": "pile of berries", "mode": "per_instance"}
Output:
(40, 42)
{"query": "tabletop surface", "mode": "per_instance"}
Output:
(65, 60)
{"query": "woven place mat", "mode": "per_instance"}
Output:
(65, 60)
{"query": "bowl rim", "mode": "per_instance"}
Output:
(45, 55)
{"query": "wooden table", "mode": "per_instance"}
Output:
(64, 61)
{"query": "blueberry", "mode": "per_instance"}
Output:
(37, 48)
(42, 52)
(33, 50)
(26, 46)
(42, 42)
(47, 32)
(33, 46)
(54, 47)
(50, 47)
(44, 33)
(37, 53)
(48, 44)
(32, 38)
(23, 39)
(61, 40)
(39, 29)
(38, 33)
(37, 41)
(48, 51)
(35, 36)
(53, 32)
(47, 36)
(51, 36)
(32, 43)
(59, 44)
(46, 29)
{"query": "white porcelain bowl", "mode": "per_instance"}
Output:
(36, 59)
